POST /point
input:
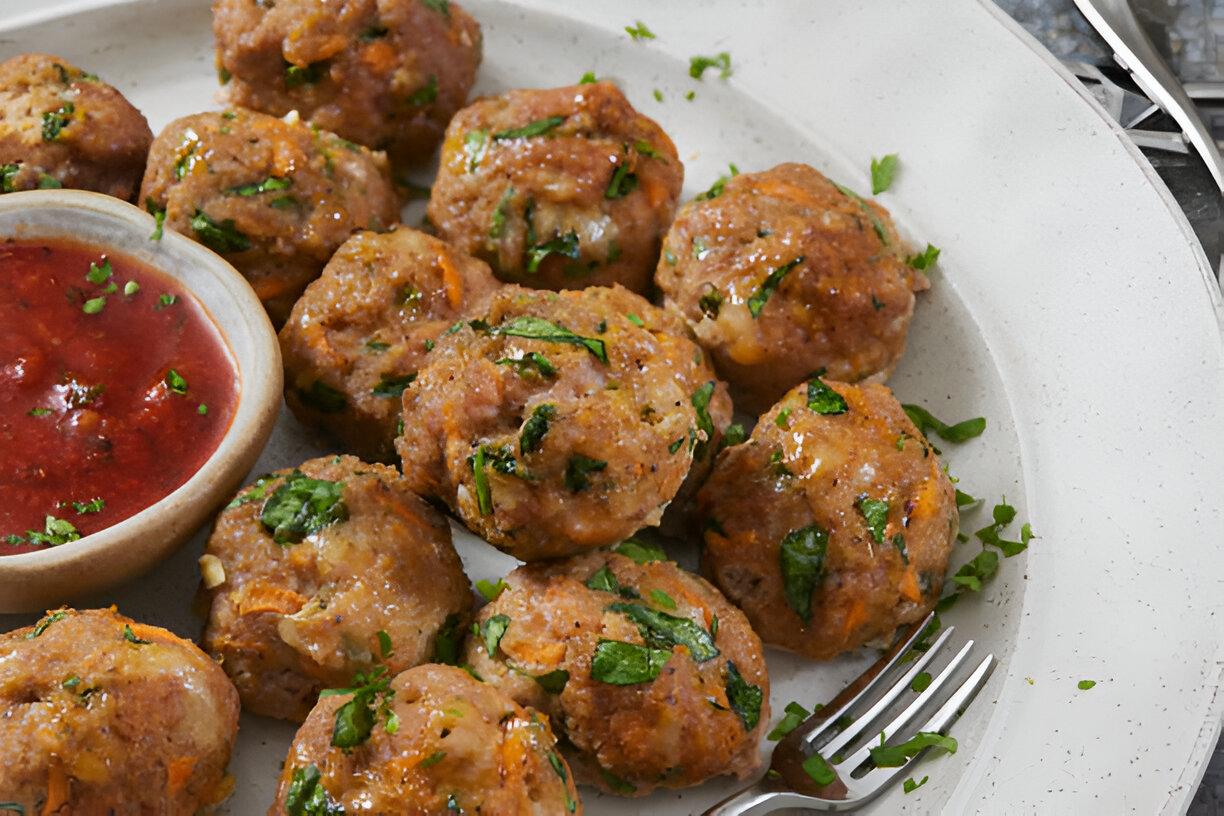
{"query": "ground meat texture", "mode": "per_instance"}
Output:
(275, 198)
(784, 273)
(457, 746)
(653, 677)
(832, 525)
(554, 423)
(357, 336)
(313, 575)
(558, 189)
(62, 127)
(100, 714)
(385, 73)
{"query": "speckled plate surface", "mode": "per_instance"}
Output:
(1070, 307)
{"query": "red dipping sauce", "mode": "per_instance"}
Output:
(114, 389)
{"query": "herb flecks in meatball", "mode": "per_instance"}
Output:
(558, 189)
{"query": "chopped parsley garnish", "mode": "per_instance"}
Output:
(588, 78)
(322, 397)
(876, 223)
(497, 224)
(732, 436)
(536, 328)
(639, 552)
(267, 185)
(56, 531)
(1003, 514)
(710, 303)
(302, 506)
(299, 75)
(490, 590)
(663, 631)
(795, 714)
(165, 300)
(924, 260)
(921, 682)
(802, 555)
(491, 632)
(377, 345)
(662, 599)
(781, 419)
(130, 636)
(625, 664)
(984, 565)
(529, 364)
(536, 426)
(701, 403)
(909, 785)
(39, 412)
(48, 182)
(219, 237)
(818, 768)
(959, 432)
(623, 182)
(42, 625)
(579, 469)
(894, 756)
(642, 146)
(756, 301)
(448, 641)
(1084, 685)
(567, 245)
(392, 385)
(94, 505)
(744, 697)
(639, 31)
(94, 305)
(882, 171)
(175, 382)
(716, 188)
(698, 65)
(308, 797)
(604, 580)
(159, 218)
(875, 513)
(425, 95)
(824, 400)
(440, 6)
(372, 695)
(130, 288)
(99, 274)
(553, 682)
(53, 122)
(616, 784)
(7, 173)
(537, 128)
(475, 145)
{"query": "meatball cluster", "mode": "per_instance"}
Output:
(559, 421)
(388, 74)
(276, 198)
(832, 525)
(457, 746)
(311, 575)
(558, 189)
(357, 336)
(784, 273)
(652, 676)
(98, 711)
(62, 127)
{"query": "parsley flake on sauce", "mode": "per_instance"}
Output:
(99, 274)
(302, 506)
(94, 305)
(802, 554)
(175, 382)
(882, 171)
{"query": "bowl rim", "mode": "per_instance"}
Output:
(258, 366)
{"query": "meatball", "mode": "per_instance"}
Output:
(386, 73)
(100, 714)
(314, 574)
(652, 676)
(62, 127)
(274, 197)
(558, 422)
(457, 746)
(357, 336)
(832, 525)
(784, 273)
(558, 189)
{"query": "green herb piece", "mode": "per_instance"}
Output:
(675, 446)
(604, 581)
(909, 785)
(175, 382)
(587, 78)
(638, 552)
(642, 146)
(663, 631)
(756, 301)
(959, 432)
(39, 412)
(795, 714)
(579, 469)
(257, 492)
(701, 404)
(639, 31)
(267, 185)
(425, 95)
(536, 328)
(1084, 685)
(497, 224)
(489, 590)
(302, 506)
(716, 189)
(875, 513)
(658, 95)
(165, 300)
(566, 245)
(94, 305)
(492, 630)
(99, 274)
(392, 385)
(384, 644)
(898, 542)
(221, 238)
(322, 397)
(824, 400)
(42, 625)
(7, 173)
(662, 599)
(818, 768)
(432, 760)
(475, 145)
(355, 719)
(623, 182)
(711, 303)
(559, 767)
(484, 496)
(530, 363)
(921, 682)
(130, 288)
(894, 756)
(375, 32)
(298, 75)
(876, 223)
(48, 182)
(130, 636)
(94, 505)
(537, 128)
(440, 6)
(783, 415)
(553, 682)
(924, 260)
(802, 554)
(964, 499)
(733, 435)
(68, 684)
(882, 171)
(616, 784)
(536, 427)
(448, 640)
(307, 796)
(53, 122)
(744, 697)
(56, 531)
(698, 65)
(981, 568)
(625, 664)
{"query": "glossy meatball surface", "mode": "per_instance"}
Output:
(388, 74)
(457, 746)
(309, 573)
(784, 273)
(832, 525)
(558, 421)
(63, 127)
(275, 198)
(101, 714)
(358, 334)
(654, 678)
(558, 189)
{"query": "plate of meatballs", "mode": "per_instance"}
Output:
(646, 370)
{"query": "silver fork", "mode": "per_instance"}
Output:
(845, 730)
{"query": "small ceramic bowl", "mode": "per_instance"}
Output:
(34, 581)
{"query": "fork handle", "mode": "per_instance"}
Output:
(761, 798)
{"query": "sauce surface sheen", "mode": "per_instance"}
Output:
(114, 390)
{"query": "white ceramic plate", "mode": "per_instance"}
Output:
(1071, 307)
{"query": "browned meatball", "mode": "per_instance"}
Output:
(652, 676)
(357, 336)
(100, 714)
(556, 423)
(62, 127)
(386, 73)
(558, 189)
(457, 746)
(275, 198)
(312, 574)
(833, 524)
(784, 273)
